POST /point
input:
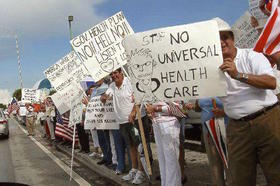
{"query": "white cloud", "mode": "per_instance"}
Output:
(5, 96)
(45, 18)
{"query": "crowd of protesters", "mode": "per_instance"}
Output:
(250, 111)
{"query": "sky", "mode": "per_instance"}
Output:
(43, 31)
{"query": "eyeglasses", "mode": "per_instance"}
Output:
(136, 66)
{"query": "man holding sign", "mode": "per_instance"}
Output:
(121, 91)
(253, 132)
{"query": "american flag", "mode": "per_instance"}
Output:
(269, 40)
(175, 110)
(62, 130)
(13, 106)
(217, 131)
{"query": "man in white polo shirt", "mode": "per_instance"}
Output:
(253, 132)
(123, 100)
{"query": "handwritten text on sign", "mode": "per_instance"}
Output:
(255, 11)
(99, 115)
(67, 70)
(176, 63)
(28, 95)
(101, 48)
(245, 35)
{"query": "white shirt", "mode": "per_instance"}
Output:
(243, 99)
(277, 76)
(122, 99)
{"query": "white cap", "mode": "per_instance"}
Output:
(222, 25)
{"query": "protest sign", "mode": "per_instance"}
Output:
(99, 115)
(76, 110)
(100, 48)
(62, 100)
(176, 63)
(65, 76)
(255, 11)
(28, 94)
(245, 35)
(67, 70)
(59, 103)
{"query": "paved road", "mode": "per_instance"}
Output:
(22, 161)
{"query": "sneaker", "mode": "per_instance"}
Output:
(130, 175)
(139, 178)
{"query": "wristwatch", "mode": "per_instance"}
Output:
(245, 77)
(242, 77)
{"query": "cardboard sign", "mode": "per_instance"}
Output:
(176, 63)
(245, 35)
(100, 48)
(99, 115)
(257, 13)
(28, 94)
(76, 110)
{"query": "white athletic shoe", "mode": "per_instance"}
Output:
(139, 178)
(130, 175)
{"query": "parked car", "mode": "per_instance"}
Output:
(4, 125)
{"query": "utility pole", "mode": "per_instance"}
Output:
(18, 59)
(70, 19)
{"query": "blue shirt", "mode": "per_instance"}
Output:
(206, 109)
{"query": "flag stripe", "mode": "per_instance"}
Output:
(274, 44)
(266, 33)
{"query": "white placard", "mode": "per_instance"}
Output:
(100, 48)
(76, 110)
(99, 115)
(245, 35)
(67, 70)
(176, 63)
(61, 105)
(63, 99)
(28, 94)
(257, 13)
(65, 76)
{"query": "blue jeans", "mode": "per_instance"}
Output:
(120, 149)
(104, 142)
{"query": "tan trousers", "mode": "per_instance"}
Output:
(257, 139)
(30, 125)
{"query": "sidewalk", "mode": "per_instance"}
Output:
(102, 170)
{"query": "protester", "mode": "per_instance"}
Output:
(206, 107)
(42, 119)
(50, 114)
(82, 135)
(103, 135)
(30, 119)
(253, 133)
(121, 91)
(166, 132)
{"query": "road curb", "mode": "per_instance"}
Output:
(92, 165)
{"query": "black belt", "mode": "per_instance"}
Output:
(256, 114)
